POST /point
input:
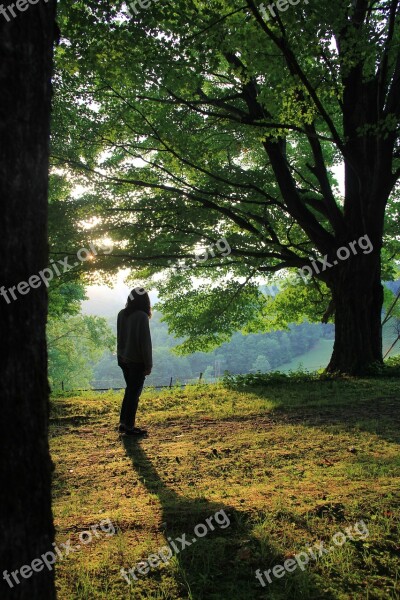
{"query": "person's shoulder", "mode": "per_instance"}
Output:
(124, 317)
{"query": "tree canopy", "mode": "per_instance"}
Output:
(188, 122)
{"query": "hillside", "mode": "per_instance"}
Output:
(303, 347)
(319, 355)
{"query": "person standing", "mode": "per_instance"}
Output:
(134, 353)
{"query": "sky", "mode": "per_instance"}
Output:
(104, 301)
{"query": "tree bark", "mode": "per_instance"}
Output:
(357, 294)
(26, 524)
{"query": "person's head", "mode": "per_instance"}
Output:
(138, 299)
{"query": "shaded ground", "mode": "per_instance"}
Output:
(291, 465)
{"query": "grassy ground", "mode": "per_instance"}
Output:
(290, 465)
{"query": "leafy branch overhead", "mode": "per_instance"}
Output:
(189, 122)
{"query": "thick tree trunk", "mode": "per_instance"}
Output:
(358, 297)
(26, 526)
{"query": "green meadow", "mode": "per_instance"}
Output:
(291, 463)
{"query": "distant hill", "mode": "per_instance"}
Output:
(307, 346)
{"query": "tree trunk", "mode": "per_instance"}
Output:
(358, 298)
(26, 525)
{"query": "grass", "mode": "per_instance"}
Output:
(290, 464)
(319, 356)
(316, 358)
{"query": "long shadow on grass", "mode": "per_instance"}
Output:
(379, 414)
(222, 564)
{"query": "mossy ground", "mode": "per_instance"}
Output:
(291, 464)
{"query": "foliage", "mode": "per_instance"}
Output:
(391, 369)
(393, 366)
(65, 298)
(273, 378)
(238, 355)
(191, 122)
(74, 343)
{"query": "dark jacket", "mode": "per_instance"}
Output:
(133, 338)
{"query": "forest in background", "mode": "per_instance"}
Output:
(243, 354)
(82, 348)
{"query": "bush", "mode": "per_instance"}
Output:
(271, 378)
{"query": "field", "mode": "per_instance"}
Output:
(318, 357)
(290, 465)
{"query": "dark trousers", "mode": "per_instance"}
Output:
(134, 378)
